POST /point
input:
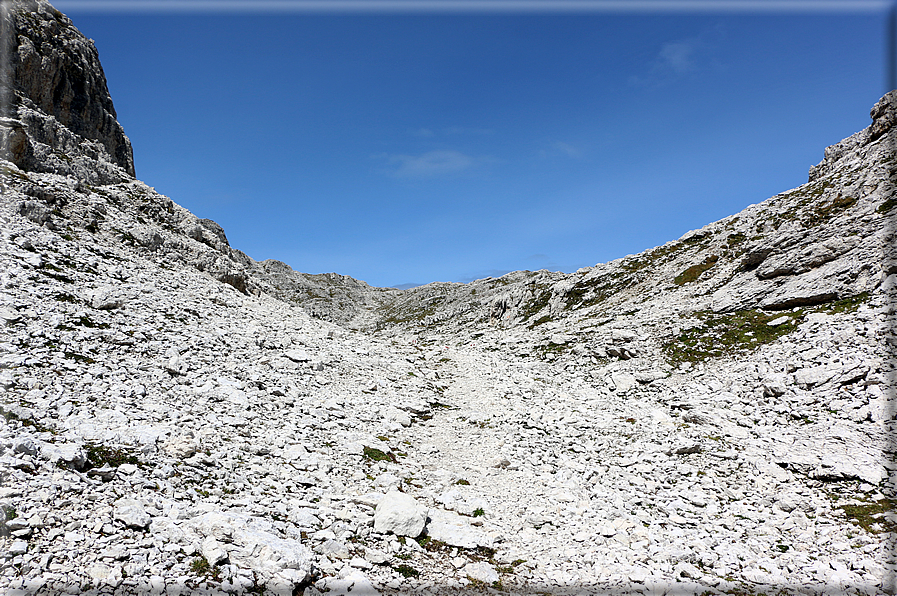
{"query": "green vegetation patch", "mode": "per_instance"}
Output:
(825, 212)
(887, 205)
(724, 334)
(695, 271)
(103, 455)
(373, 454)
(201, 567)
(85, 321)
(594, 291)
(871, 516)
(735, 239)
(406, 570)
(79, 357)
(9, 416)
(538, 302)
(843, 305)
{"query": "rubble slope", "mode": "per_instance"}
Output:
(711, 416)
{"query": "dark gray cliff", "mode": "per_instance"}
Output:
(57, 106)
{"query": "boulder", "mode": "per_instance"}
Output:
(455, 530)
(131, 513)
(398, 513)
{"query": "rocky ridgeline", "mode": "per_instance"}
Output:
(712, 416)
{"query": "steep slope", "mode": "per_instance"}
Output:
(712, 416)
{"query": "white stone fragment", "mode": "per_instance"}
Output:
(481, 571)
(131, 513)
(400, 514)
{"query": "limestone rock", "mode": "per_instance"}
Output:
(400, 514)
(131, 513)
(481, 571)
(453, 529)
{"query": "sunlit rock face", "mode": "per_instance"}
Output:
(56, 89)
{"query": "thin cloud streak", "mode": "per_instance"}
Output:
(432, 163)
(475, 6)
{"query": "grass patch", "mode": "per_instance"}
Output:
(103, 455)
(79, 357)
(540, 321)
(844, 305)
(733, 240)
(201, 567)
(871, 515)
(825, 212)
(695, 271)
(406, 570)
(887, 205)
(372, 454)
(37, 426)
(726, 334)
(85, 321)
(535, 305)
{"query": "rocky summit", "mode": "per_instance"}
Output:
(711, 416)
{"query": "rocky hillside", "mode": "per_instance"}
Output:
(711, 416)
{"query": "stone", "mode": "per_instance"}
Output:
(816, 375)
(181, 447)
(399, 513)
(25, 445)
(43, 72)
(213, 551)
(623, 382)
(376, 557)
(481, 571)
(131, 513)
(455, 530)
(298, 355)
(18, 547)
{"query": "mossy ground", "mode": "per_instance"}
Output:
(744, 330)
(103, 455)
(373, 454)
(872, 516)
(724, 334)
(694, 272)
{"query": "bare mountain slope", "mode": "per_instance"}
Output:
(712, 416)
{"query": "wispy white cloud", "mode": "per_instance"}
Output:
(466, 130)
(560, 148)
(542, 261)
(451, 131)
(566, 149)
(676, 59)
(477, 6)
(677, 56)
(429, 164)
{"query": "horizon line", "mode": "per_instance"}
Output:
(477, 6)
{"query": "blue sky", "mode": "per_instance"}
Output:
(410, 148)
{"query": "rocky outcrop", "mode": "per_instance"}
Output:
(884, 116)
(60, 117)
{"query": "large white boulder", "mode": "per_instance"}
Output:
(455, 530)
(400, 514)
